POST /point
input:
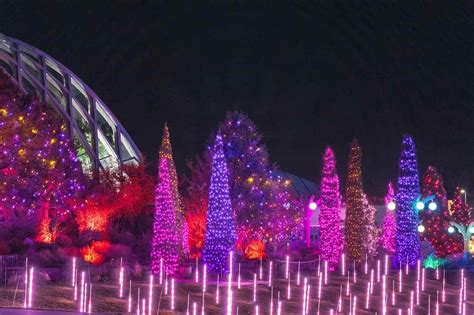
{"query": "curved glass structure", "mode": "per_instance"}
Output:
(100, 140)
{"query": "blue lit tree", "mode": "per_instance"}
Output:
(408, 242)
(220, 222)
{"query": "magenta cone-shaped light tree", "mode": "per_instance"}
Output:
(388, 239)
(220, 221)
(331, 239)
(165, 244)
(408, 241)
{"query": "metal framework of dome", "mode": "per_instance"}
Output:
(101, 141)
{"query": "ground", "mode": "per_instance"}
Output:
(59, 296)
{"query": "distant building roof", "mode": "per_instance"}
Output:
(301, 186)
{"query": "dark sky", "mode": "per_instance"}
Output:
(310, 74)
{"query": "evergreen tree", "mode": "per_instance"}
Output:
(389, 230)
(165, 243)
(40, 173)
(436, 222)
(408, 242)
(331, 238)
(166, 152)
(354, 226)
(220, 222)
(370, 231)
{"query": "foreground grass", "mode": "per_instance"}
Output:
(60, 296)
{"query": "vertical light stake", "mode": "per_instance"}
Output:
(386, 265)
(305, 282)
(307, 299)
(75, 287)
(217, 290)
(339, 304)
(367, 298)
(270, 274)
(202, 306)
(166, 284)
(279, 308)
(343, 269)
(81, 304)
(443, 294)
(25, 303)
(143, 306)
(138, 301)
(354, 305)
(348, 284)
(437, 303)
(150, 296)
(30, 288)
(406, 267)
(287, 266)
(238, 279)
(130, 297)
(378, 270)
(417, 292)
(187, 306)
(423, 279)
(261, 271)
(255, 287)
(194, 308)
(121, 279)
(418, 270)
(90, 299)
(74, 271)
(400, 279)
(437, 273)
(298, 275)
(204, 278)
(256, 310)
(85, 298)
(196, 279)
(289, 288)
(161, 270)
(384, 294)
(172, 295)
(371, 281)
(411, 302)
(325, 272)
(355, 273)
(393, 292)
(366, 267)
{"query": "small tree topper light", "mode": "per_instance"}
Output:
(451, 230)
(421, 228)
(313, 205)
(391, 206)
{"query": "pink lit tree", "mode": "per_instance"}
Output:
(220, 222)
(165, 243)
(388, 239)
(331, 238)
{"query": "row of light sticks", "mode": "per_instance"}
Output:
(144, 305)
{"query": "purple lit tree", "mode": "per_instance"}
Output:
(165, 244)
(388, 239)
(166, 152)
(220, 222)
(408, 241)
(331, 238)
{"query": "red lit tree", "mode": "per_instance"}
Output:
(436, 222)
(354, 226)
(331, 238)
(460, 211)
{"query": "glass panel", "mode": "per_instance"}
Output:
(106, 124)
(79, 94)
(53, 70)
(55, 89)
(7, 67)
(30, 66)
(126, 150)
(82, 122)
(84, 158)
(106, 153)
(5, 46)
(28, 86)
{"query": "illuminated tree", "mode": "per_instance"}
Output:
(371, 232)
(354, 226)
(436, 223)
(389, 229)
(220, 222)
(331, 238)
(40, 173)
(166, 152)
(460, 211)
(165, 243)
(408, 242)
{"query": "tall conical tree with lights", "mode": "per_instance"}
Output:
(166, 152)
(460, 210)
(220, 222)
(408, 190)
(370, 230)
(165, 243)
(388, 239)
(331, 238)
(354, 226)
(436, 222)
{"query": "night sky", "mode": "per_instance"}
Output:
(310, 74)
